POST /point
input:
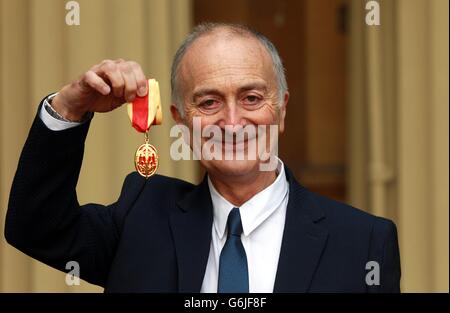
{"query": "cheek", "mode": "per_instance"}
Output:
(267, 115)
(199, 122)
(190, 112)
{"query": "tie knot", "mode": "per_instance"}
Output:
(234, 223)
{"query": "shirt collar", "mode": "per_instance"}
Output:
(255, 210)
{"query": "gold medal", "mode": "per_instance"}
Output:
(146, 159)
(145, 112)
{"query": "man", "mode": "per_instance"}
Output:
(242, 229)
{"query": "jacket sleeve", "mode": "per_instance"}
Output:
(385, 251)
(45, 220)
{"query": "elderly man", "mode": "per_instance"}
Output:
(242, 229)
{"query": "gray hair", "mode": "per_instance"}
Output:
(207, 28)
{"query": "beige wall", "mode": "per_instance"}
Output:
(38, 54)
(398, 131)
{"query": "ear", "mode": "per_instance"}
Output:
(283, 111)
(176, 114)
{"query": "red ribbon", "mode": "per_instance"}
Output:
(140, 112)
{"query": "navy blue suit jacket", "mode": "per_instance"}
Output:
(156, 236)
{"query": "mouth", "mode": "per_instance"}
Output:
(232, 142)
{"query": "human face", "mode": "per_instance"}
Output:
(229, 80)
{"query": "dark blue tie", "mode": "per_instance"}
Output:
(233, 269)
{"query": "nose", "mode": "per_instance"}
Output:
(231, 115)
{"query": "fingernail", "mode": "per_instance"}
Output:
(142, 91)
(131, 98)
(106, 90)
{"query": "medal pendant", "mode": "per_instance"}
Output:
(143, 113)
(146, 159)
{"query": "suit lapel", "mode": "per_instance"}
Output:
(191, 227)
(301, 249)
(303, 240)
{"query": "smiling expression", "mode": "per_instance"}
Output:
(229, 79)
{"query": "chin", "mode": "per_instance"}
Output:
(232, 168)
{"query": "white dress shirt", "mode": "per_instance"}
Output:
(54, 123)
(263, 218)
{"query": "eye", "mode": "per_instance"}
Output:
(209, 106)
(252, 100)
(209, 103)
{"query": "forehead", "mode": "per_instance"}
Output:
(223, 57)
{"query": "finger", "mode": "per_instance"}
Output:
(111, 71)
(130, 82)
(96, 67)
(141, 81)
(92, 80)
